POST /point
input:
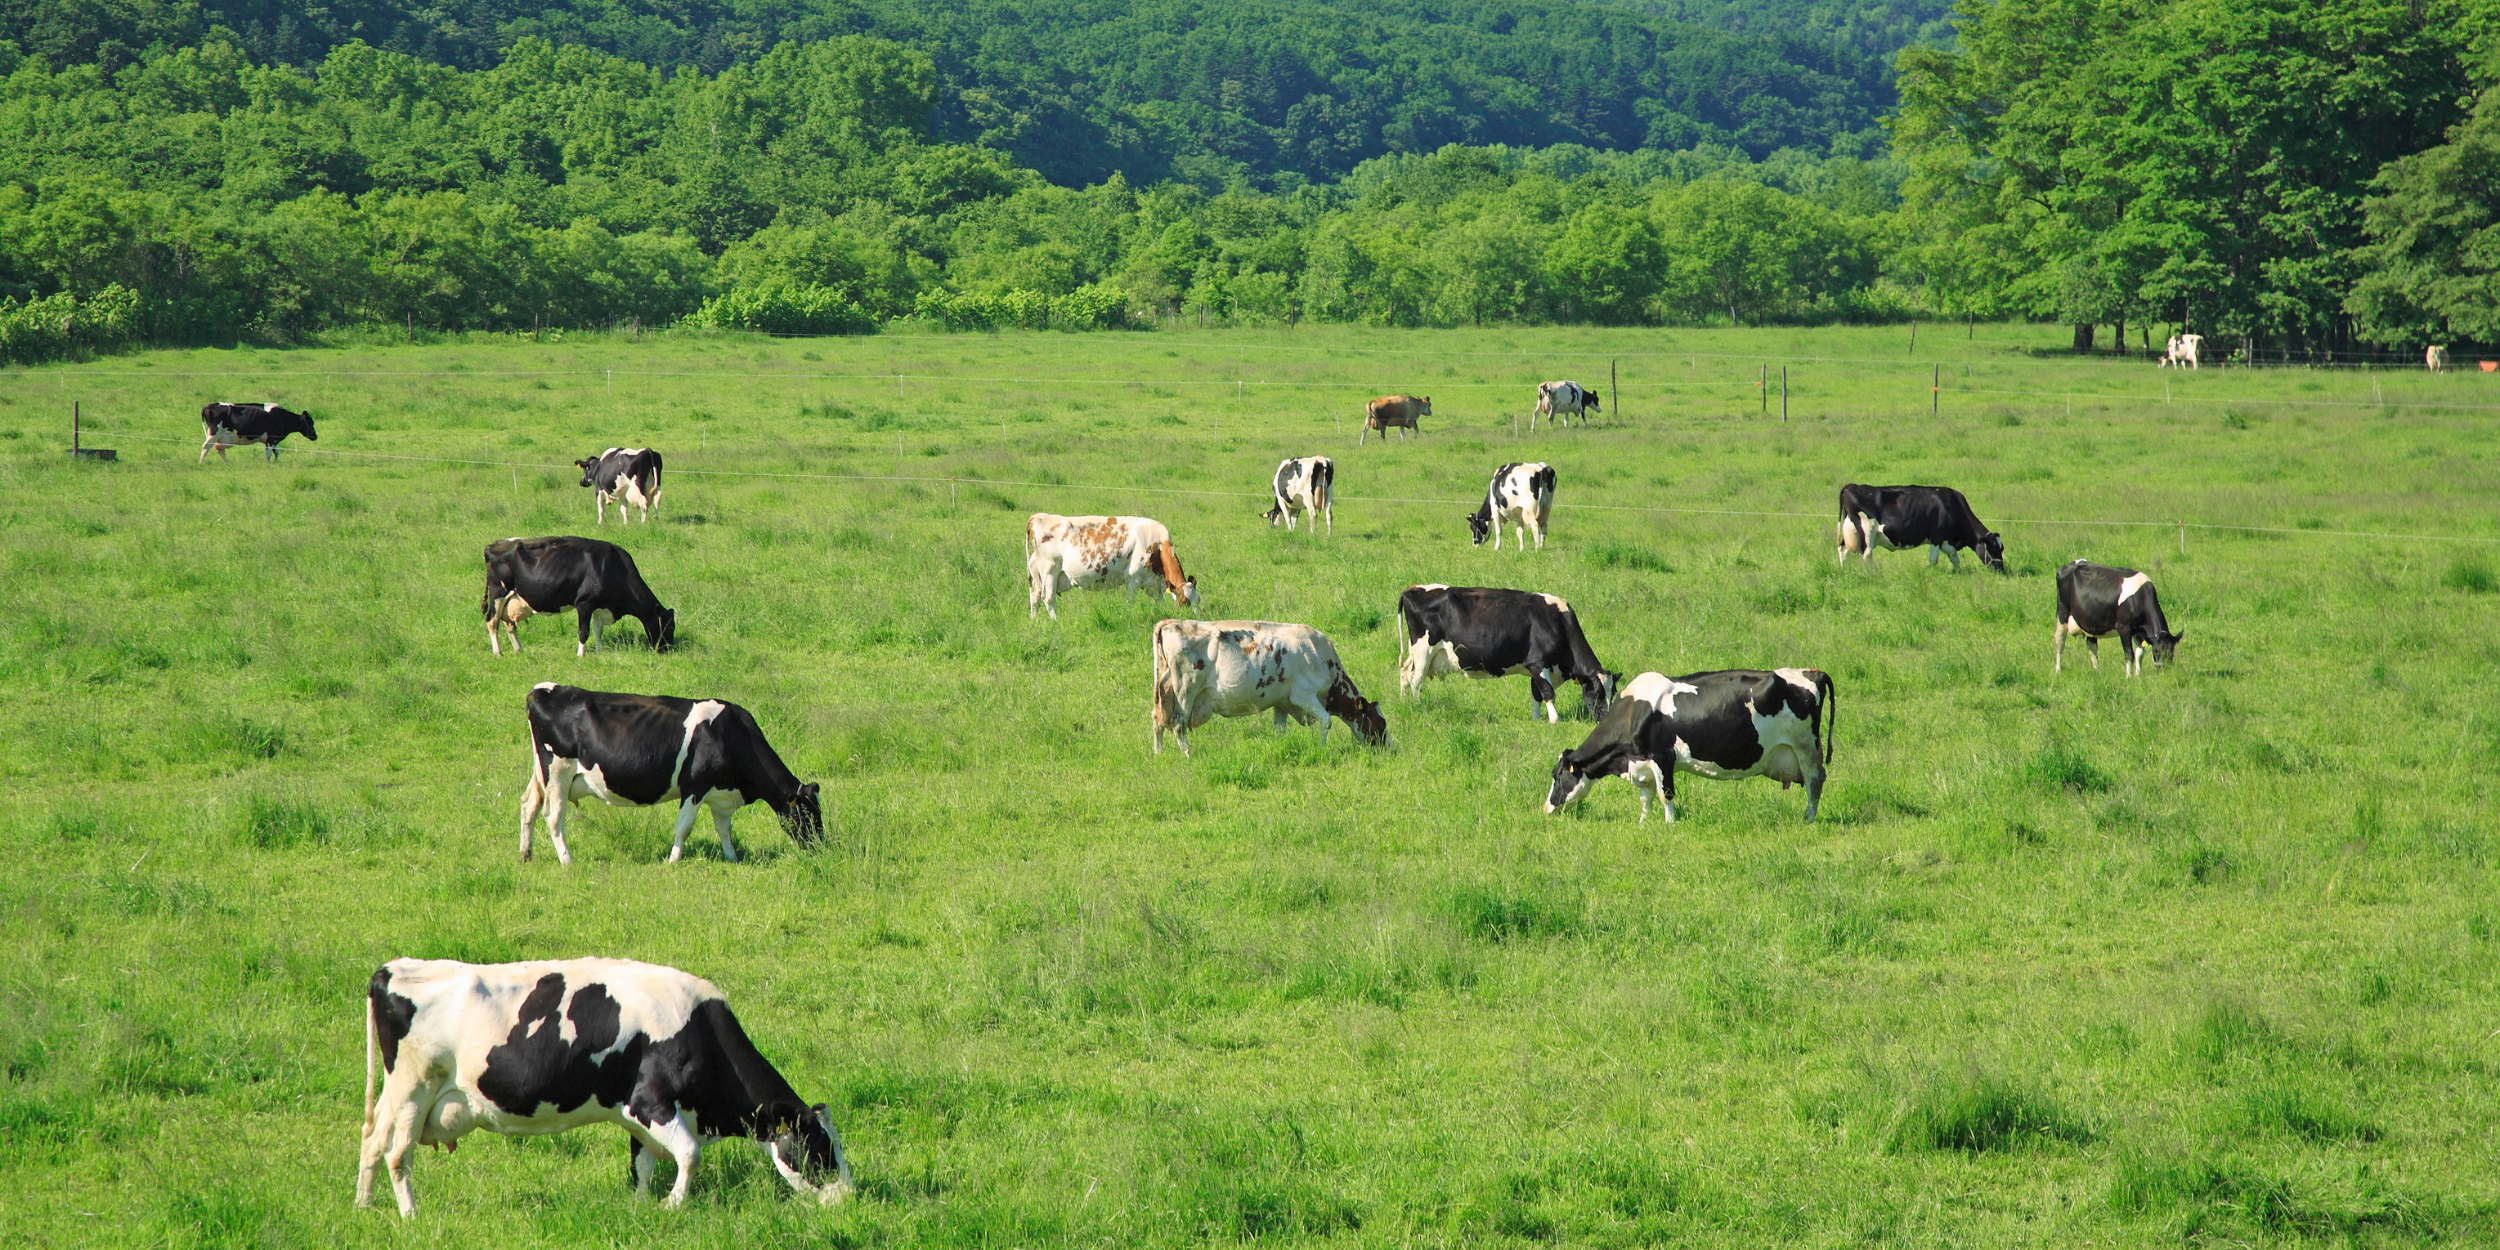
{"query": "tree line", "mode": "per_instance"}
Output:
(2297, 177)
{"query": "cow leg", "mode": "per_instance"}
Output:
(1932, 552)
(399, 1152)
(559, 799)
(1541, 694)
(581, 631)
(204, 446)
(1329, 510)
(643, 1159)
(720, 825)
(2057, 644)
(683, 1146)
(2093, 644)
(1814, 790)
(532, 798)
(1536, 525)
(685, 821)
(1955, 555)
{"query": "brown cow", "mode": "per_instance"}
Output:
(1393, 411)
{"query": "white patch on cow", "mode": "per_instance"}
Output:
(1649, 688)
(2127, 588)
(1873, 531)
(1428, 586)
(544, 685)
(1558, 605)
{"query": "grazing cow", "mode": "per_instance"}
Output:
(625, 476)
(1723, 725)
(1206, 669)
(232, 425)
(1561, 401)
(526, 576)
(2436, 359)
(532, 1048)
(1900, 517)
(1524, 492)
(1390, 412)
(2184, 351)
(1490, 633)
(1306, 484)
(1066, 552)
(2097, 600)
(633, 750)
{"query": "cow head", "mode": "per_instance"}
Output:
(304, 417)
(664, 630)
(1273, 515)
(1480, 523)
(804, 819)
(1570, 781)
(1361, 715)
(2166, 647)
(1599, 691)
(1181, 586)
(808, 1154)
(590, 470)
(1425, 406)
(1992, 550)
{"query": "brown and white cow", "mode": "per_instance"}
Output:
(1206, 669)
(1390, 412)
(1066, 552)
(2436, 359)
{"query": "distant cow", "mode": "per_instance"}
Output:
(625, 476)
(2436, 359)
(1206, 669)
(1561, 401)
(598, 581)
(1724, 725)
(232, 425)
(1305, 485)
(1066, 552)
(2097, 600)
(2184, 351)
(1393, 412)
(1897, 518)
(1520, 492)
(632, 750)
(534, 1048)
(1485, 632)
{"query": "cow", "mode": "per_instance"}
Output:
(598, 581)
(2097, 600)
(1307, 484)
(1521, 491)
(1066, 552)
(1206, 669)
(2436, 359)
(2184, 351)
(1489, 633)
(1561, 401)
(625, 476)
(1897, 518)
(1390, 412)
(633, 750)
(524, 1049)
(232, 425)
(1723, 725)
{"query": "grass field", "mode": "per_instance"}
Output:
(2070, 959)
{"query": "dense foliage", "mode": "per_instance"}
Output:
(2299, 175)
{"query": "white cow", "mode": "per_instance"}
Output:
(2437, 359)
(2184, 351)
(1206, 669)
(1066, 552)
(1561, 401)
(1307, 484)
(534, 1048)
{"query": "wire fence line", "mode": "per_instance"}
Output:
(954, 480)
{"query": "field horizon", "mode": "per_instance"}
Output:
(2204, 955)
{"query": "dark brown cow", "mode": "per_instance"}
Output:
(1394, 412)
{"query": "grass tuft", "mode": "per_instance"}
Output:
(2062, 767)
(276, 822)
(1504, 914)
(1972, 1113)
(1616, 554)
(2286, 1109)
(2471, 576)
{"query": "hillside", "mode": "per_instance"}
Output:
(1283, 91)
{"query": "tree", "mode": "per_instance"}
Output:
(2432, 266)
(1607, 265)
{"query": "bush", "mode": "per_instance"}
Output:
(63, 325)
(784, 308)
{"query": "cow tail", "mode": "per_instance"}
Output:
(371, 1049)
(1163, 691)
(1826, 714)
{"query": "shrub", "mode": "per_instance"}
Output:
(63, 325)
(784, 308)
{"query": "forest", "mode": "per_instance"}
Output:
(2301, 178)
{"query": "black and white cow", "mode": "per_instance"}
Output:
(1306, 485)
(1899, 517)
(1724, 725)
(598, 581)
(1485, 632)
(634, 750)
(625, 476)
(232, 425)
(1521, 492)
(2097, 600)
(542, 1047)
(1561, 401)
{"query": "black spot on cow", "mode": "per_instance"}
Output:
(393, 1016)
(537, 1066)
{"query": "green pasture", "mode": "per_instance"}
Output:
(2070, 959)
